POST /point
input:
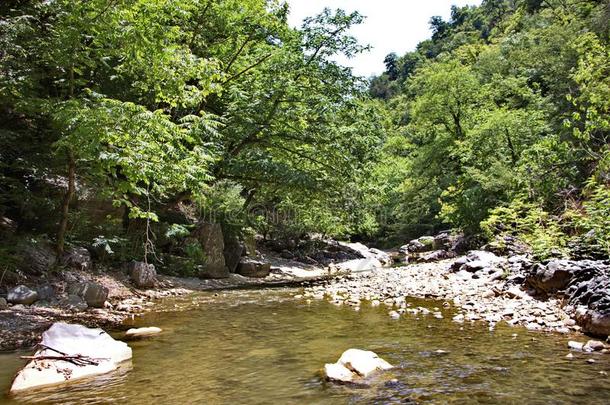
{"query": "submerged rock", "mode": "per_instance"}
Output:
(575, 345)
(594, 346)
(355, 365)
(68, 353)
(134, 333)
(22, 295)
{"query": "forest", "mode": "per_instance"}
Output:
(126, 122)
(236, 208)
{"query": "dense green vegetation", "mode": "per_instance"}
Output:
(125, 122)
(174, 112)
(501, 126)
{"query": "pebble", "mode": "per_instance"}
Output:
(394, 315)
(458, 318)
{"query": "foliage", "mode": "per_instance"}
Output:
(219, 105)
(503, 118)
(540, 230)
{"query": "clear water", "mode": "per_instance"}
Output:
(264, 347)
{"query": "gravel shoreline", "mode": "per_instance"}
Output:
(485, 298)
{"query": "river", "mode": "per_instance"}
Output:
(266, 347)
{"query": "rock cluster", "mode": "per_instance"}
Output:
(442, 246)
(585, 284)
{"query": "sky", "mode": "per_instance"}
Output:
(391, 25)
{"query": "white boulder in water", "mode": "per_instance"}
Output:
(355, 364)
(71, 352)
(142, 332)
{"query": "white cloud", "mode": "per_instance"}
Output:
(391, 25)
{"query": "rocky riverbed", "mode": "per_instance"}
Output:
(479, 287)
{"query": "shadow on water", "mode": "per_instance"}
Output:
(262, 347)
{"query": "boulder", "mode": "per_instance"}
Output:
(594, 322)
(22, 295)
(94, 294)
(552, 277)
(233, 251)
(74, 303)
(436, 256)
(359, 251)
(383, 257)
(442, 241)
(360, 363)
(38, 258)
(339, 373)
(45, 292)
(135, 333)
(422, 244)
(594, 346)
(586, 286)
(477, 260)
(3, 303)
(97, 352)
(78, 258)
(212, 242)
(356, 265)
(250, 245)
(143, 275)
(253, 268)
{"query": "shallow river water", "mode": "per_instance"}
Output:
(265, 347)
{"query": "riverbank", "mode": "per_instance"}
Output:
(560, 296)
(22, 325)
(490, 299)
(477, 287)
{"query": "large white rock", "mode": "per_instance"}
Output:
(371, 256)
(357, 265)
(363, 362)
(355, 364)
(73, 340)
(338, 372)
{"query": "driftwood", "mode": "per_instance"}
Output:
(76, 359)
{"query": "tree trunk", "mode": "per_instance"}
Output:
(65, 206)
